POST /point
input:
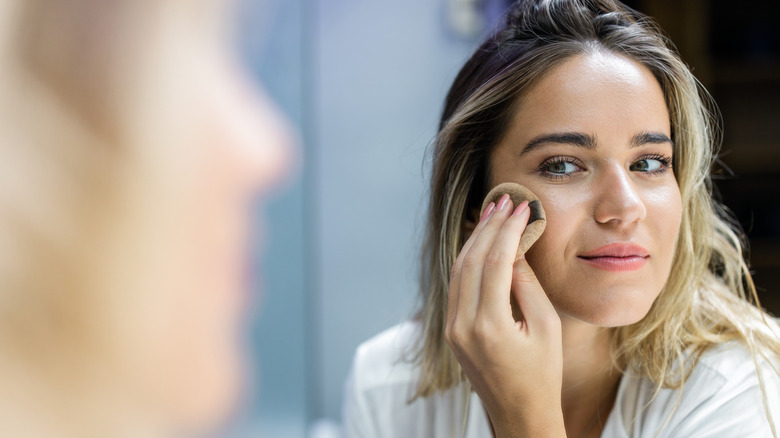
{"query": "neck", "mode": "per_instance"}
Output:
(589, 378)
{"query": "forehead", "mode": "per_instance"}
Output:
(597, 92)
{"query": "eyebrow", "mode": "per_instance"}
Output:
(647, 137)
(573, 138)
(588, 141)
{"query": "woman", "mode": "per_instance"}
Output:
(133, 148)
(635, 306)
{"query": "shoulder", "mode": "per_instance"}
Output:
(731, 371)
(723, 396)
(383, 359)
(378, 394)
(726, 359)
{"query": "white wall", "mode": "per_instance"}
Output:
(381, 71)
(364, 82)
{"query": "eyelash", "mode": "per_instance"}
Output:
(666, 164)
(557, 160)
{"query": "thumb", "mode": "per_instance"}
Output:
(537, 310)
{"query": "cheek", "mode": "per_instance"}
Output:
(198, 353)
(215, 247)
(664, 210)
(565, 210)
(664, 216)
(571, 226)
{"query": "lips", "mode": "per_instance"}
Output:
(616, 257)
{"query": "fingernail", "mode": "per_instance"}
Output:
(488, 211)
(520, 208)
(503, 202)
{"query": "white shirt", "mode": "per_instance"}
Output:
(721, 398)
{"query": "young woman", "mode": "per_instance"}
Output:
(133, 150)
(636, 315)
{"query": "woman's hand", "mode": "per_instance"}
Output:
(514, 366)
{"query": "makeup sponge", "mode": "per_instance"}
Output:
(518, 194)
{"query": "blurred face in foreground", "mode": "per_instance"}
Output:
(231, 147)
(139, 149)
(242, 143)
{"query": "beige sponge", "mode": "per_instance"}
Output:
(518, 194)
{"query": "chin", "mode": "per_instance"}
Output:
(218, 412)
(608, 310)
(209, 392)
(611, 320)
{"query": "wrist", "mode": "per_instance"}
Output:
(529, 421)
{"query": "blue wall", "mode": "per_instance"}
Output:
(383, 69)
(364, 83)
(273, 42)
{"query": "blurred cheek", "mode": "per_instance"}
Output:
(243, 150)
(240, 148)
(211, 291)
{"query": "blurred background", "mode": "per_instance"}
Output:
(364, 82)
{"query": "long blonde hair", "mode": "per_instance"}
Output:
(707, 298)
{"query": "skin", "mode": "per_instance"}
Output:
(198, 148)
(245, 149)
(236, 149)
(550, 373)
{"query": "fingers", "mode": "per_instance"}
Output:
(485, 275)
(473, 262)
(498, 267)
(454, 286)
(538, 312)
(481, 277)
(493, 350)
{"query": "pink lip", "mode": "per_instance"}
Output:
(616, 257)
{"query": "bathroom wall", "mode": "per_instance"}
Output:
(363, 82)
(274, 47)
(380, 74)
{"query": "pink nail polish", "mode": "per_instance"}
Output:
(520, 208)
(488, 211)
(503, 202)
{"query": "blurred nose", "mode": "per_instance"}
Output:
(619, 202)
(264, 144)
(276, 149)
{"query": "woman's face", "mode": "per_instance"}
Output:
(236, 146)
(592, 140)
(245, 149)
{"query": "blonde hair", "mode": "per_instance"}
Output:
(89, 123)
(707, 298)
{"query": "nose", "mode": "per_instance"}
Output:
(619, 202)
(263, 143)
(276, 146)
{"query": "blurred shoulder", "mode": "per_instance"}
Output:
(384, 359)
